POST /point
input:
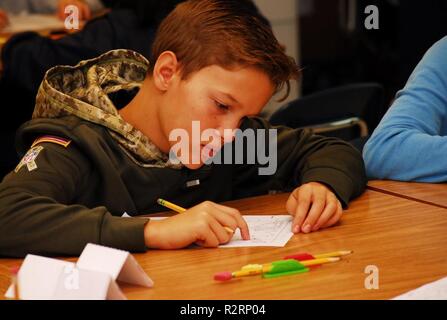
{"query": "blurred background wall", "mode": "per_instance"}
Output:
(330, 42)
(284, 17)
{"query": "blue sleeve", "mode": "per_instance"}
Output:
(410, 143)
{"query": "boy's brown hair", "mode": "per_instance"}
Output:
(227, 33)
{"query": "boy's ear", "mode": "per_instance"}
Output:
(164, 70)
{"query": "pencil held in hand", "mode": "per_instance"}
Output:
(171, 206)
(179, 209)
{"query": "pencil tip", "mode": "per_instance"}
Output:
(334, 259)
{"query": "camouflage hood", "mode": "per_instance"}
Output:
(83, 91)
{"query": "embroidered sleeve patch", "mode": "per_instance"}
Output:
(29, 159)
(52, 139)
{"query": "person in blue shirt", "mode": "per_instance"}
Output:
(410, 143)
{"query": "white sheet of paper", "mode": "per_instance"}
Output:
(33, 22)
(265, 231)
(433, 291)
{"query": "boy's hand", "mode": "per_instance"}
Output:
(203, 224)
(4, 21)
(83, 9)
(314, 206)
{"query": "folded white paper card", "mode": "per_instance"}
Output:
(91, 278)
(39, 277)
(78, 284)
(433, 291)
(119, 264)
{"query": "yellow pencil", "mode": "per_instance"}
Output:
(333, 254)
(170, 205)
(179, 209)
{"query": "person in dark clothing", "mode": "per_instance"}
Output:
(89, 160)
(27, 56)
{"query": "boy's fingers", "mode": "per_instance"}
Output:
(222, 235)
(335, 218)
(292, 203)
(238, 219)
(223, 218)
(318, 204)
(304, 201)
(207, 238)
(329, 211)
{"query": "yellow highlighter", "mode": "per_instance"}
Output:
(274, 269)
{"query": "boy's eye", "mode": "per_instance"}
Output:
(221, 105)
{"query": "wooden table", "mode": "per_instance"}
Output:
(406, 240)
(429, 193)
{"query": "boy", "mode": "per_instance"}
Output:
(131, 24)
(215, 63)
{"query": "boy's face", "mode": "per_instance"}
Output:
(218, 99)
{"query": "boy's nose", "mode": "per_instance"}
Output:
(227, 135)
(227, 130)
